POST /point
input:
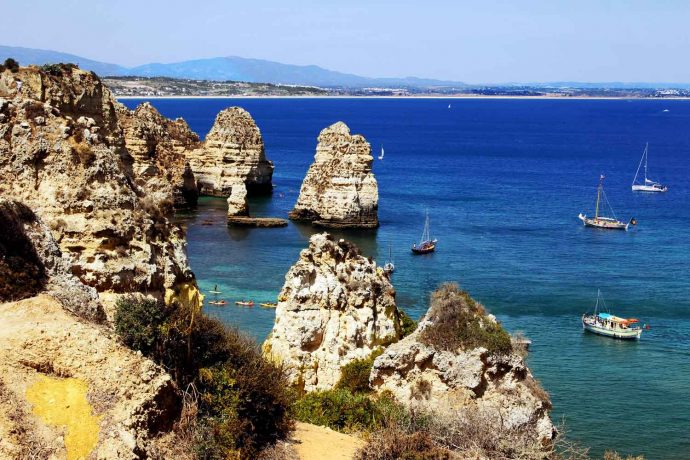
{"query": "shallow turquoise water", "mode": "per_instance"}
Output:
(503, 181)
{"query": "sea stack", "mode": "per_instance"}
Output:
(157, 147)
(233, 149)
(335, 306)
(339, 190)
(432, 369)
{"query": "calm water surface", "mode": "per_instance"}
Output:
(503, 181)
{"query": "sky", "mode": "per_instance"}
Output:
(471, 41)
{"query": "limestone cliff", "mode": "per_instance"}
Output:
(335, 306)
(339, 189)
(233, 149)
(67, 388)
(63, 153)
(157, 146)
(425, 369)
(31, 262)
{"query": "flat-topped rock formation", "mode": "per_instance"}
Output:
(157, 147)
(335, 306)
(238, 210)
(258, 222)
(433, 369)
(339, 189)
(63, 153)
(233, 149)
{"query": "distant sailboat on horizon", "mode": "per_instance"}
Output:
(381, 154)
(648, 185)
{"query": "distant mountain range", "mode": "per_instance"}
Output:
(223, 69)
(232, 68)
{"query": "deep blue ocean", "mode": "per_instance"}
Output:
(503, 181)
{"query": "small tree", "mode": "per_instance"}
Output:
(11, 64)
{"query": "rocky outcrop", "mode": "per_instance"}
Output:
(237, 200)
(31, 262)
(63, 154)
(335, 306)
(43, 349)
(339, 189)
(499, 386)
(158, 149)
(232, 150)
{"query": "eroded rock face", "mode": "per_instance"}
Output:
(133, 398)
(233, 149)
(339, 189)
(499, 386)
(31, 262)
(63, 153)
(157, 146)
(335, 306)
(237, 201)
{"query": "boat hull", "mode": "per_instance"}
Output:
(623, 334)
(424, 250)
(607, 224)
(650, 188)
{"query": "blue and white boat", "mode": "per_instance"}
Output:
(610, 325)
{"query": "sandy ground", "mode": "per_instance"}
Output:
(320, 443)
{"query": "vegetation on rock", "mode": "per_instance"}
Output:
(458, 321)
(354, 376)
(241, 400)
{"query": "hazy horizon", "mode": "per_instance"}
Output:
(494, 42)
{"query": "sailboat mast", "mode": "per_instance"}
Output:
(601, 185)
(646, 155)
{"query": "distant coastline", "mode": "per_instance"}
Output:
(444, 97)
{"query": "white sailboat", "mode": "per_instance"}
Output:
(381, 154)
(598, 221)
(389, 267)
(648, 185)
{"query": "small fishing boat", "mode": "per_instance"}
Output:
(389, 267)
(268, 304)
(609, 325)
(648, 185)
(382, 153)
(245, 303)
(598, 221)
(426, 244)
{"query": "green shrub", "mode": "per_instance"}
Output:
(138, 322)
(458, 321)
(11, 64)
(243, 399)
(340, 410)
(354, 376)
(408, 324)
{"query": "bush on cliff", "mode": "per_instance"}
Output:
(11, 64)
(458, 321)
(408, 324)
(354, 376)
(241, 402)
(343, 410)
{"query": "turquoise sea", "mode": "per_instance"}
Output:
(503, 181)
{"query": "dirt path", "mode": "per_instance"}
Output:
(320, 443)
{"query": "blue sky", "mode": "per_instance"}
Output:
(480, 41)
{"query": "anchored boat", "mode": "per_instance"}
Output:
(648, 185)
(382, 152)
(389, 267)
(609, 325)
(598, 221)
(426, 244)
